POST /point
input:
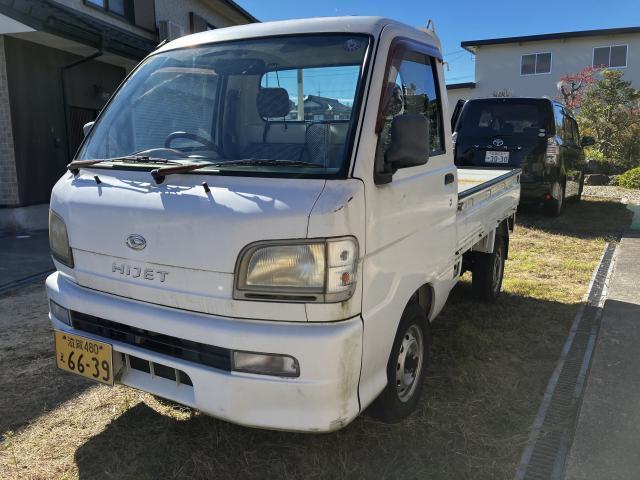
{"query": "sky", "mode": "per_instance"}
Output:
(459, 20)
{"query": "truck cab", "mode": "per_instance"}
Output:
(264, 219)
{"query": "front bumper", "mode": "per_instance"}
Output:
(323, 398)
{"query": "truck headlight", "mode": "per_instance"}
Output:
(302, 270)
(59, 240)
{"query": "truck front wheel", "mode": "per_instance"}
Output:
(488, 271)
(406, 368)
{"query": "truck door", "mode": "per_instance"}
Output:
(410, 228)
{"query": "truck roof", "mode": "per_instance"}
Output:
(350, 24)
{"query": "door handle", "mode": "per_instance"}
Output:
(449, 178)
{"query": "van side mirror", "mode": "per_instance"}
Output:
(410, 143)
(587, 141)
(87, 128)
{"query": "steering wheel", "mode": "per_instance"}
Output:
(190, 136)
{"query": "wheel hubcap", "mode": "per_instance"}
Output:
(409, 363)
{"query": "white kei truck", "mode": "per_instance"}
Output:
(264, 220)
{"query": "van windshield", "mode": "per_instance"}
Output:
(280, 105)
(503, 117)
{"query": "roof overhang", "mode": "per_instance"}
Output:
(472, 45)
(55, 19)
(240, 11)
(457, 86)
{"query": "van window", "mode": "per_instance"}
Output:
(415, 90)
(327, 92)
(488, 118)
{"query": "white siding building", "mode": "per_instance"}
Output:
(532, 65)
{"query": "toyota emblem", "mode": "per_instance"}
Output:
(498, 142)
(136, 242)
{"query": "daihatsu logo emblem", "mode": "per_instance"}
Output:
(136, 242)
(498, 142)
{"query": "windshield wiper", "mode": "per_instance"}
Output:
(75, 166)
(159, 174)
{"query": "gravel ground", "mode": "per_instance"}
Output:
(627, 195)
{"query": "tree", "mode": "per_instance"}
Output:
(572, 87)
(610, 112)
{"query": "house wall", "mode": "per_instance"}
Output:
(456, 94)
(81, 6)
(178, 12)
(40, 136)
(8, 178)
(217, 13)
(498, 66)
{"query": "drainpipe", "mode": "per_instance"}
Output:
(64, 93)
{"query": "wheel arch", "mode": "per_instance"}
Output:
(423, 296)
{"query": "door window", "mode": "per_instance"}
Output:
(413, 85)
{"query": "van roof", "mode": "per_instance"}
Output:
(351, 24)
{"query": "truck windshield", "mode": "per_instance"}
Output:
(280, 105)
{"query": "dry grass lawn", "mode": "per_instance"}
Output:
(489, 370)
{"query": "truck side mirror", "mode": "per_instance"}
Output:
(410, 141)
(87, 128)
(587, 141)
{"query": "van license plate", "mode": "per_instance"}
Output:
(83, 356)
(496, 157)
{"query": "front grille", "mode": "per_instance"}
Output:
(209, 355)
(159, 370)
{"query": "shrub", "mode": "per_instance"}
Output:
(630, 178)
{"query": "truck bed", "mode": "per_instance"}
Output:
(471, 180)
(486, 196)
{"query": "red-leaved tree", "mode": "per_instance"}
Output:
(572, 87)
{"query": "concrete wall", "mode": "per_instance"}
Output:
(8, 178)
(498, 66)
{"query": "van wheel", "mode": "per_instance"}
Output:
(406, 368)
(555, 206)
(488, 271)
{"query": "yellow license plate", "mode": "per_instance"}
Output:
(83, 356)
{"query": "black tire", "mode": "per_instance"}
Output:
(554, 207)
(399, 398)
(488, 272)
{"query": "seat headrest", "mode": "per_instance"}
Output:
(273, 102)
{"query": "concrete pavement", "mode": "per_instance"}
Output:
(606, 443)
(23, 258)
